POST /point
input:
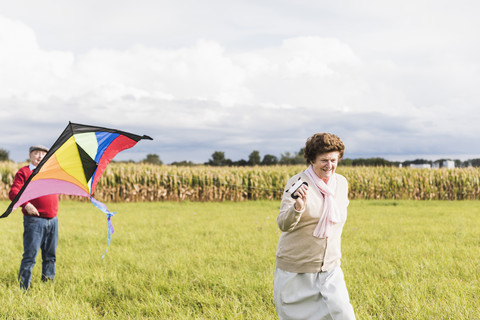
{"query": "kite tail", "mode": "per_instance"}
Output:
(109, 214)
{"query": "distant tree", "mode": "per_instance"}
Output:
(472, 162)
(301, 153)
(240, 163)
(113, 161)
(373, 162)
(4, 155)
(269, 160)
(218, 159)
(183, 163)
(287, 158)
(368, 162)
(300, 157)
(416, 161)
(152, 159)
(254, 158)
(346, 162)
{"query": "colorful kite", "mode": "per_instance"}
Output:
(74, 164)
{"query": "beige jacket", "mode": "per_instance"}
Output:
(298, 250)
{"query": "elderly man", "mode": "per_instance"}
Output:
(40, 224)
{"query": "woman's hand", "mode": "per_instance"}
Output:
(302, 197)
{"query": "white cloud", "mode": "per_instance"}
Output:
(371, 73)
(27, 71)
(305, 71)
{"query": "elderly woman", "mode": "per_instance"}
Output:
(309, 282)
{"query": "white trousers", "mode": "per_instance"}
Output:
(312, 296)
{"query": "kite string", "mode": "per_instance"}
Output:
(110, 230)
(109, 214)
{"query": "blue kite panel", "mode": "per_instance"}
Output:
(104, 139)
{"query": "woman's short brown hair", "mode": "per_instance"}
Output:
(321, 143)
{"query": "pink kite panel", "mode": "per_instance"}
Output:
(39, 188)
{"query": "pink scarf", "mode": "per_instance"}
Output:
(330, 213)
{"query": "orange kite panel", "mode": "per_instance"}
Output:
(52, 170)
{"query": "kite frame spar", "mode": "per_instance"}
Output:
(93, 168)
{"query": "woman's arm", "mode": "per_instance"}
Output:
(291, 209)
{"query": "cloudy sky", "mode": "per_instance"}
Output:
(394, 79)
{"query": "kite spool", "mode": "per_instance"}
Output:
(295, 187)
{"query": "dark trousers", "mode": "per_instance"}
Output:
(38, 233)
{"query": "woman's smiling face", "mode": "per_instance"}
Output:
(325, 165)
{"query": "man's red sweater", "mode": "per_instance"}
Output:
(47, 206)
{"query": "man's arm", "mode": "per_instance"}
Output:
(18, 182)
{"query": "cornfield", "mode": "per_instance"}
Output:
(142, 182)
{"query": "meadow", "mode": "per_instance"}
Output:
(215, 260)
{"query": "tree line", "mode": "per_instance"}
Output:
(254, 159)
(218, 158)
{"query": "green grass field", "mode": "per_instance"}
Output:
(169, 260)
